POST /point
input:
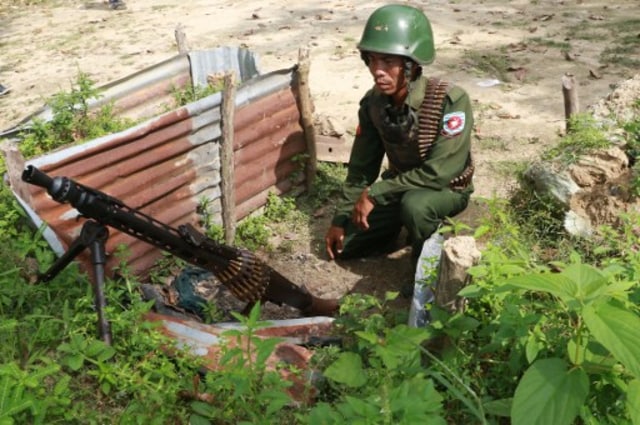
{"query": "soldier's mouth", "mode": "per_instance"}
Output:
(383, 85)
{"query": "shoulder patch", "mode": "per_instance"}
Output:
(453, 123)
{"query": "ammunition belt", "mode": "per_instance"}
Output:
(462, 181)
(430, 117)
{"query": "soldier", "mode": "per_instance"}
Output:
(424, 127)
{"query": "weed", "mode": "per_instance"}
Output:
(252, 233)
(490, 63)
(244, 391)
(563, 46)
(632, 135)
(329, 180)
(508, 168)
(586, 135)
(73, 120)
(493, 144)
(190, 94)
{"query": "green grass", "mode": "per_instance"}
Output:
(489, 63)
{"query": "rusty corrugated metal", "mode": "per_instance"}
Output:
(150, 92)
(167, 164)
(289, 359)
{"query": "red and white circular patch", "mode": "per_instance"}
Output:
(453, 123)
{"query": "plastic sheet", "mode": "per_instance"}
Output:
(425, 279)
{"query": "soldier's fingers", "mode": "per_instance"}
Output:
(329, 247)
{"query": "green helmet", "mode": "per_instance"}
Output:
(399, 30)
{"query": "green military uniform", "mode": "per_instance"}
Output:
(416, 192)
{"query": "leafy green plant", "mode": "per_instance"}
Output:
(379, 377)
(245, 391)
(73, 120)
(572, 336)
(585, 136)
(23, 393)
(190, 93)
(632, 148)
(252, 233)
(328, 182)
(601, 346)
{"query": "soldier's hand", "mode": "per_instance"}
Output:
(334, 240)
(361, 210)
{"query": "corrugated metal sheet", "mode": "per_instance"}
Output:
(167, 164)
(150, 92)
(289, 358)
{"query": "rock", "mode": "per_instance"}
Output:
(327, 126)
(599, 167)
(558, 184)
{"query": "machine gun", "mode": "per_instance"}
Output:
(247, 277)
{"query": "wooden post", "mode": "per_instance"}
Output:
(458, 254)
(570, 94)
(306, 115)
(227, 184)
(15, 165)
(181, 39)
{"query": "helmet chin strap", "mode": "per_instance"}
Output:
(411, 74)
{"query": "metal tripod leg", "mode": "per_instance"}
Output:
(99, 259)
(93, 236)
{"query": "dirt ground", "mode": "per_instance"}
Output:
(509, 55)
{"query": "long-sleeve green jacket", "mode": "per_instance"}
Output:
(445, 160)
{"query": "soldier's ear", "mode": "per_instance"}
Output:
(417, 71)
(412, 70)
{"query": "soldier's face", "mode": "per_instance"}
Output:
(387, 72)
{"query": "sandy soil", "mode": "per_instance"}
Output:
(519, 111)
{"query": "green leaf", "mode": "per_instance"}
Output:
(196, 419)
(370, 337)
(75, 362)
(554, 284)
(576, 352)
(12, 399)
(471, 291)
(549, 394)
(532, 348)
(105, 387)
(203, 409)
(362, 407)
(618, 330)
(589, 279)
(107, 353)
(347, 369)
(400, 345)
(633, 401)
(62, 386)
(578, 282)
(264, 348)
(416, 396)
(500, 407)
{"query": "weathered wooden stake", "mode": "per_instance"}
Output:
(570, 94)
(15, 164)
(458, 254)
(181, 39)
(306, 115)
(227, 184)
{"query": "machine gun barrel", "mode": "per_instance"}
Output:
(248, 278)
